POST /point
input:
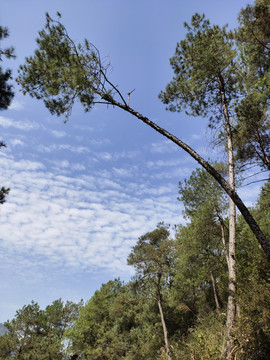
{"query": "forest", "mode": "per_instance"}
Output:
(201, 289)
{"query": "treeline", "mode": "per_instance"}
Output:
(175, 306)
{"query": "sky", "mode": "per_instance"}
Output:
(83, 192)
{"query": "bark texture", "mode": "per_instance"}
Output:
(231, 305)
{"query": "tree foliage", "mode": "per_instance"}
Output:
(5, 75)
(62, 72)
(37, 334)
(252, 112)
(6, 93)
(205, 55)
(153, 259)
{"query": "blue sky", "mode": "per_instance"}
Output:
(83, 192)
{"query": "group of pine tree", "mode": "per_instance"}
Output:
(200, 290)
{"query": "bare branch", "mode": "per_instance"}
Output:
(253, 182)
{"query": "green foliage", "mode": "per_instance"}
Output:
(205, 340)
(199, 254)
(60, 72)
(116, 323)
(6, 93)
(253, 36)
(202, 244)
(253, 132)
(201, 188)
(153, 258)
(263, 208)
(252, 330)
(211, 61)
(3, 192)
(201, 62)
(37, 334)
(253, 127)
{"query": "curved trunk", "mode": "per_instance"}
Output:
(210, 169)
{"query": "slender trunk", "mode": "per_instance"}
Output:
(165, 332)
(231, 306)
(222, 230)
(210, 169)
(215, 292)
(164, 327)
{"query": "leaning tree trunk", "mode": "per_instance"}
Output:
(164, 327)
(263, 241)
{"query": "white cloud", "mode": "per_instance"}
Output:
(21, 125)
(163, 147)
(197, 136)
(16, 105)
(77, 222)
(77, 166)
(16, 142)
(58, 134)
(104, 156)
(125, 172)
(169, 163)
(63, 147)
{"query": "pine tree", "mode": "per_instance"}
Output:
(153, 258)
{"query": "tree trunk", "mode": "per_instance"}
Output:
(215, 292)
(164, 327)
(210, 169)
(231, 306)
(165, 332)
(222, 230)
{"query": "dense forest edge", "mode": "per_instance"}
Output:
(201, 290)
(185, 274)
